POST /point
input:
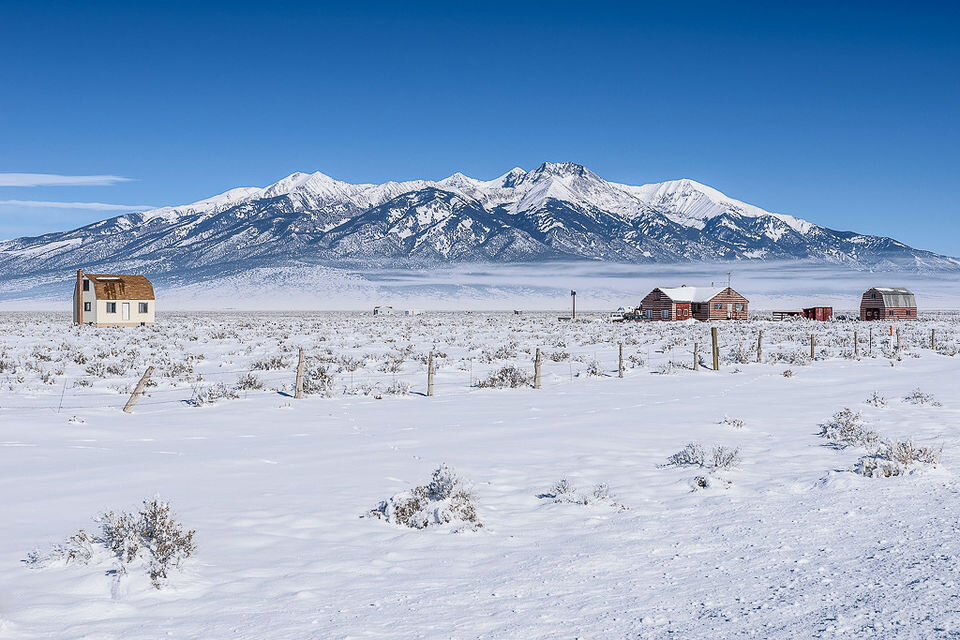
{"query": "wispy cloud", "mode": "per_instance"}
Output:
(56, 180)
(99, 206)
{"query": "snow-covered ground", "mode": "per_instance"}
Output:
(789, 543)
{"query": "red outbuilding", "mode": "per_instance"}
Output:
(818, 313)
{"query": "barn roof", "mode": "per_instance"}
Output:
(692, 294)
(896, 297)
(120, 287)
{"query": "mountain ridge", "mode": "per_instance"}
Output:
(557, 211)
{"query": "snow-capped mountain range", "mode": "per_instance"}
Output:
(558, 211)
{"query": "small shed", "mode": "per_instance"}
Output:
(821, 314)
(382, 310)
(699, 303)
(120, 300)
(888, 303)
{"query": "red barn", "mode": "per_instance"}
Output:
(818, 313)
(700, 303)
(888, 303)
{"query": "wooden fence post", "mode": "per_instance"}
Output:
(933, 338)
(898, 339)
(128, 408)
(620, 363)
(760, 347)
(716, 349)
(871, 341)
(430, 374)
(301, 363)
(536, 370)
(856, 346)
(813, 342)
(696, 357)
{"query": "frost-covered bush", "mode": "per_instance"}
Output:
(694, 455)
(897, 459)
(788, 373)
(508, 377)
(846, 429)
(876, 400)
(919, 397)
(150, 539)
(318, 381)
(736, 423)
(595, 369)
(445, 499)
(564, 492)
(691, 455)
(398, 388)
(271, 363)
(558, 356)
(249, 382)
(204, 394)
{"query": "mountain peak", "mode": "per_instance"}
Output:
(561, 169)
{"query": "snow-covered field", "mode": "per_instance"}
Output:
(796, 537)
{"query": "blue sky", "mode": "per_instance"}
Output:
(843, 115)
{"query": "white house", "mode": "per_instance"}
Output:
(113, 300)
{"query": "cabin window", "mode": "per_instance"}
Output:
(111, 307)
(665, 314)
(656, 295)
(717, 306)
(909, 311)
(86, 306)
(86, 285)
(739, 307)
(649, 314)
(873, 296)
(143, 307)
(890, 312)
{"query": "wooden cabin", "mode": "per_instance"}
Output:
(700, 303)
(888, 303)
(113, 300)
(821, 314)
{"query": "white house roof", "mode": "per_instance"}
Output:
(896, 297)
(692, 294)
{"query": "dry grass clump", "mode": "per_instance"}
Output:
(919, 397)
(564, 492)
(694, 455)
(897, 459)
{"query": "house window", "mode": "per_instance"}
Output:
(665, 314)
(111, 307)
(86, 285)
(86, 306)
(717, 306)
(649, 314)
(873, 296)
(890, 313)
(739, 307)
(143, 307)
(656, 295)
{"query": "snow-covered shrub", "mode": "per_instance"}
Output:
(249, 382)
(694, 455)
(508, 377)
(846, 429)
(558, 356)
(736, 423)
(564, 492)
(595, 369)
(876, 400)
(788, 373)
(919, 397)
(667, 368)
(445, 499)
(269, 364)
(397, 388)
(724, 458)
(691, 455)
(897, 459)
(210, 393)
(151, 539)
(318, 381)
(740, 354)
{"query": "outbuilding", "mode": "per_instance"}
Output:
(888, 303)
(113, 300)
(700, 303)
(818, 313)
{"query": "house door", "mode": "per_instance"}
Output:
(729, 310)
(126, 311)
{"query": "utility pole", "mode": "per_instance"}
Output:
(573, 296)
